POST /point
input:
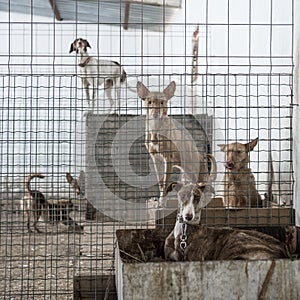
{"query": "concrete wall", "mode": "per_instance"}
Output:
(119, 171)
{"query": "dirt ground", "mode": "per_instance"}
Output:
(43, 265)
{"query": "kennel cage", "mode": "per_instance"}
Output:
(233, 68)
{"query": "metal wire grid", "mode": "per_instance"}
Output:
(239, 96)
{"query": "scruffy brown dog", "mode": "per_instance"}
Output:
(239, 182)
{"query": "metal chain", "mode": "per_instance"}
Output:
(183, 236)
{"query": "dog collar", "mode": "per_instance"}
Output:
(183, 232)
(83, 64)
(183, 236)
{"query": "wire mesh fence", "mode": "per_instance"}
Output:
(233, 70)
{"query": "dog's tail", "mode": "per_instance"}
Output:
(29, 178)
(123, 76)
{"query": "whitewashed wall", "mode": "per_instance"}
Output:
(41, 47)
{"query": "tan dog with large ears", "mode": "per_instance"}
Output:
(239, 182)
(168, 143)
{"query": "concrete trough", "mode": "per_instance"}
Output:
(142, 273)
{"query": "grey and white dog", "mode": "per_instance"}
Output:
(191, 241)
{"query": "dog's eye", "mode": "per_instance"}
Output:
(149, 102)
(162, 102)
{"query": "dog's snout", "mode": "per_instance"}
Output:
(188, 217)
(155, 114)
(229, 164)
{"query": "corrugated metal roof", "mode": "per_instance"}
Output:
(34, 7)
(150, 14)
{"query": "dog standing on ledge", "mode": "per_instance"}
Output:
(239, 182)
(94, 72)
(168, 143)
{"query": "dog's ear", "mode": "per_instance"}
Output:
(170, 187)
(170, 90)
(204, 187)
(176, 186)
(142, 91)
(87, 44)
(72, 48)
(250, 146)
(199, 188)
(205, 192)
(69, 177)
(222, 147)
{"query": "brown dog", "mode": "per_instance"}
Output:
(34, 204)
(169, 144)
(239, 182)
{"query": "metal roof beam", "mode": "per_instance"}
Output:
(126, 16)
(55, 10)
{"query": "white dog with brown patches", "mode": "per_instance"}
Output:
(95, 72)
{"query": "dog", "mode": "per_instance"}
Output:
(201, 243)
(94, 72)
(169, 145)
(239, 182)
(191, 241)
(34, 204)
(192, 197)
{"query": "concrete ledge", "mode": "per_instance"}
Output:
(279, 279)
(159, 279)
(239, 217)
